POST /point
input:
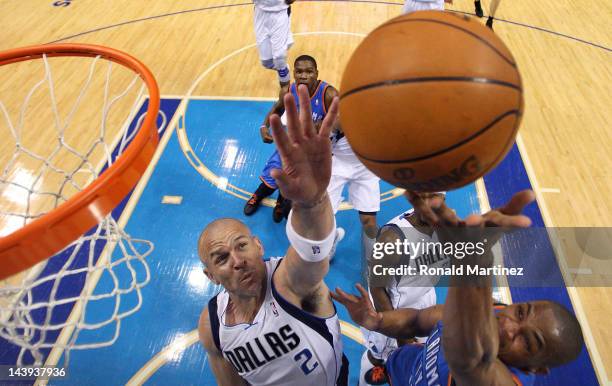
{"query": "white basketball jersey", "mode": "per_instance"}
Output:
(284, 345)
(416, 285)
(271, 5)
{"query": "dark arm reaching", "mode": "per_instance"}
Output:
(471, 336)
(278, 108)
(404, 323)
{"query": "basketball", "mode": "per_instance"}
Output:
(431, 101)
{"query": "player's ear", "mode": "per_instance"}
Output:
(259, 245)
(210, 276)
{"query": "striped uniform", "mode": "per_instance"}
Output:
(317, 104)
(425, 365)
(422, 5)
(284, 345)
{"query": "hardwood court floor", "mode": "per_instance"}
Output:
(565, 136)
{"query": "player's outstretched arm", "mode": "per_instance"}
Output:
(404, 323)
(330, 94)
(471, 337)
(306, 160)
(278, 108)
(224, 373)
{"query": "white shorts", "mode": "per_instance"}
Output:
(414, 5)
(382, 346)
(272, 33)
(364, 186)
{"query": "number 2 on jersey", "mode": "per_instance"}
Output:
(306, 367)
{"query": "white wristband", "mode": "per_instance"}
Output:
(310, 250)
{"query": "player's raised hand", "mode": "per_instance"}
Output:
(432, 209)
(359, 307)
(305, 153)
(509, 215)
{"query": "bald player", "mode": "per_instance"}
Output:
(469, 341)
(274, 322)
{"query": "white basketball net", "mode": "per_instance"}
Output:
(35, 178)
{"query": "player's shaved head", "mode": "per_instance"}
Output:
(218, 228)
(568, 348)
(538, 335)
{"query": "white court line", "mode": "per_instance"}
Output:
(172, 200)
(171, 96)
(581, 271)
(598, 364)
(220, 97)
(550, 190)
(164, 356)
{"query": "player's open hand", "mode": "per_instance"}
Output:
(359, 307)
(305, 153)
(433, 209)
(508, 216)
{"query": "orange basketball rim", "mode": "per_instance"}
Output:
(49, 234)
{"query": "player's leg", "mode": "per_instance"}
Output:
(340, 233)
(378, 348)
(413, 6)
(478, 8)
(372, 366)
(267, 186)
(280, 40)
(492, 12)
(369, 228)
(336, 184)
(410, 6)
(364, 194)
(262, 38)
(334, 191)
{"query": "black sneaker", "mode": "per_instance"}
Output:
(277, 212)
(478, 8)
(490, 22)
(252, 205)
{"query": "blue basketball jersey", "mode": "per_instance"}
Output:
(424, 365)
(317, 104)
(317, 100)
